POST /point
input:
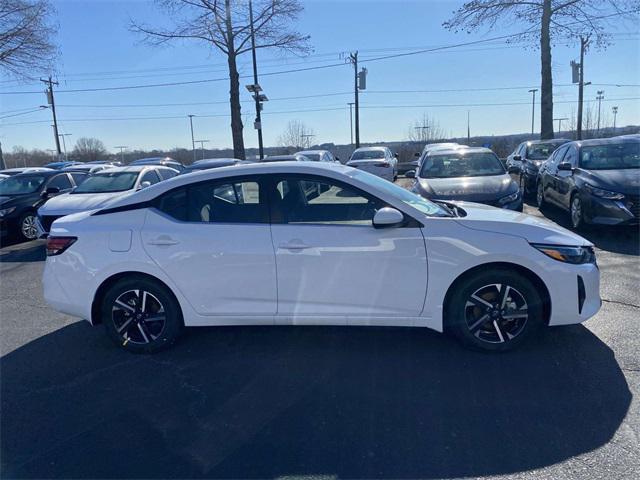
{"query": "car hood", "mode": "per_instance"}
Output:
(471, 189)
(68, 203)
(625, 181)
(533, 229)
(7, 201)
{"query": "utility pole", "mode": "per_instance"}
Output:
(533, 108)
(49, 92)
(122, 148)
(423, 132)
(468, 129)
(64, 144)
(560, 122)
(193, 142)
(584, 41)
(202, 142)
(614, 109)
(599, 97)
(2, 165)
(258, 123)
(351, 104)
(304, 137)
(359, 83)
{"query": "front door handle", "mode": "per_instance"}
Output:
(163, 241)
(294, 245)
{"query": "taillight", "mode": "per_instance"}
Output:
(57, 245)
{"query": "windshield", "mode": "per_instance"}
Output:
(367, 154)
(461, 165)
(108, 182)
(21, 184)
(541, 151)
(610, 157)
(416, 201)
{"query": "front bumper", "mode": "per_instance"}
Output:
(575, 294)
(611, 212)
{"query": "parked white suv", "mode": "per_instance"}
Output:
(377, 160)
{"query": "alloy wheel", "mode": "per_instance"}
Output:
(540, 194)
(138, 317)
(28, 227)
(496, 313)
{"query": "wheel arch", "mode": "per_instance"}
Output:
(524, 271)
(109, 281)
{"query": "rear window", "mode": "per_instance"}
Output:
(367, 154)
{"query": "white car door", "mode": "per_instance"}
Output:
(213, 240)
(333, 265)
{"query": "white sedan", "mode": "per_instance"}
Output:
(106, 185)
(247, 245)
(377, 160)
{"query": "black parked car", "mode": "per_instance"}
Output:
(21, 196)
(209, 163)
(528, 157)
(468, 174)
(596, 181)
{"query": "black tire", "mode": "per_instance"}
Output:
(465, 316)
(27, 232)
(576, 213)
(133, 328)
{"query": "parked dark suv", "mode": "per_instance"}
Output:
(528, 157)
(596, 181)
(21, 196)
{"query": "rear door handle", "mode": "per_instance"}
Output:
(163, 241)
(294, 245)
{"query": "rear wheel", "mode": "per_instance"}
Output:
(495, 310)
(540, 196)
(576, 212)
(141, 315)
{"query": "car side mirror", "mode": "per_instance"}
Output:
(417, 155)
(144, 184)
(395, 155)
(565, 167)
(517, 158)
(50, 191)
(410, 174)
(388, 217)
(513, 169)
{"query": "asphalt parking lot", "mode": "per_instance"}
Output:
(295, 402)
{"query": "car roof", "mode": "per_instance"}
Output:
(362, 149)
(46, 173)
(281, 158)
(551, 140)
(27, 169)
(320, 152)
(206, 161)
(132, 168)
(459, 151)
(606, 141)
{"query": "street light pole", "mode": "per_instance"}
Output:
(560, 122)
(304, 137)
(533, 109)
(599, 97)
(193, 143)
(423, 132)
(614, 109)
(64, 144)
(122, 147)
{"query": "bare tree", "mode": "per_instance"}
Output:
(225, 26)
(297, 134)
(549, 21)
(26, 33)
(425, 129)
(89, 149)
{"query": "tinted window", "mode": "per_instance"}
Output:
(610, 157)
(174, 204)
(60, 181)
(21, 184)
(558, 155)
(571, 156)
(299, 200)
(151, 176)
(540, 151)
(459, 165)
(78, 177)
(367, 154)
(108, 182)
(166, 173)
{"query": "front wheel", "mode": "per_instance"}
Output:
(576, 212)
(141, 315)
(494, 310)
(540, 201)
(28, 229)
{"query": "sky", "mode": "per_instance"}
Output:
(97, 50)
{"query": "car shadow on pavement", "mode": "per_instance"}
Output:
(259, 402)
(617, 239)
(33, 251)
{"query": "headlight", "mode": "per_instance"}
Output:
(6, 211)
(575, 255)
(509, 198)
(606, 194)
